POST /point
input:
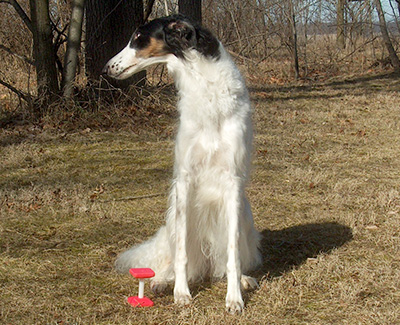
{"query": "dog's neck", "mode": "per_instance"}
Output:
(209, 89)
(195, 68)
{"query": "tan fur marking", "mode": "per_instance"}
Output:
(155, 48)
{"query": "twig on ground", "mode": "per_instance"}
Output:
(129, 198)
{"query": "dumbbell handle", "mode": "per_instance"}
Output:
(141, 288)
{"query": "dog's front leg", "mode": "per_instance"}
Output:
(181, 290)
(234, 301)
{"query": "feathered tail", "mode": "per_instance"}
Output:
(154, 253)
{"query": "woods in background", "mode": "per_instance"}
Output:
(49, 48)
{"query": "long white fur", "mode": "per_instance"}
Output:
(209, 225)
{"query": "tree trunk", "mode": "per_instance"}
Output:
(394, 59)
(340, 23)
(293, 40)
(398, 6)
(43, 50)
(190, 9)
(73, 47)
(109, 26)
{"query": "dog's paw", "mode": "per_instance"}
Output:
(234, 306)
(248, 282)
(182, 299)
(158, 287)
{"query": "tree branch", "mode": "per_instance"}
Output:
(19, 93)
(20, 12)
(149, 8)
(22, 57)
(60, 33)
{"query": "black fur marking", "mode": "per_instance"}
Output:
(141, 37)
(179, 34)
(207, 44)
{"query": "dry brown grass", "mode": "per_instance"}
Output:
(325, 191)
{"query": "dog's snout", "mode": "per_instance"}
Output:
(105, 70)
(122, 65)
(112, 68)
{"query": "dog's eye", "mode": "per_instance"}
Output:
(136, 39)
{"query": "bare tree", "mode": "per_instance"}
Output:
(73, 46)
(394, 59)
(109, 26)
(191, 9)
(276, 36)
(43, 50)
(340, 24)
(293, 39)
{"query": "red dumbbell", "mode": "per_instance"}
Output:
(141, 300)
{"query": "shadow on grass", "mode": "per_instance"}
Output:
(286, 249)
(283, 250)
(364, 83)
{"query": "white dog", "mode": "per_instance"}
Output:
(209, 227)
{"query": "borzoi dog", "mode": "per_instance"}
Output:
(209, 229)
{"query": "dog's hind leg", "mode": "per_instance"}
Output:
(160, 282)
(250, 256)
(248, 282)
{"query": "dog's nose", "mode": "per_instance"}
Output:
(105, 70)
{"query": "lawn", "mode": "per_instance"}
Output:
(325, 192)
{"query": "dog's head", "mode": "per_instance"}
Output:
(158, 41)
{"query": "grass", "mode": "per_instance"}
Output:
(325, 191)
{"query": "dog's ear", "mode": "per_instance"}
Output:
(180, 35)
